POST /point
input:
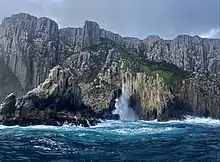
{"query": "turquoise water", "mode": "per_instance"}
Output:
(196, 139)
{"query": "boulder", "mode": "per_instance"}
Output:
(8, 106)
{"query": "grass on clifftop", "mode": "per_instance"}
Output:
(137, 63)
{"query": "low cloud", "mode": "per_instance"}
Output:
(212, 33)
(46, 1)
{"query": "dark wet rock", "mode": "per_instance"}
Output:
(149, 115)
(8, 106)
(112, 116)
(107, 114)
(83, 122)
(93, 121)
(88, 112)
(10, 122)
(52, 122)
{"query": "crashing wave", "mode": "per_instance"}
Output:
(122, 107)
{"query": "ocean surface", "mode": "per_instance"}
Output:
(195, 139)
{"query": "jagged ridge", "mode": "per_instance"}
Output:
(31, 46)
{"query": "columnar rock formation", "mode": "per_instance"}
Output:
(202, 95)
(29, 47)
(101, 61)
(150, 91)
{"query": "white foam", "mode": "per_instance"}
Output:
(142, 130)
(195, 120)
(43, 148)
(131, 128)
(41, 127)
(122, 107)
(125, 127)
(7, 127)
(2, 127)
(107, 123)
(88, 123)
(201, 120)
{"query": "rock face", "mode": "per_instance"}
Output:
(189, 53)
(201, 94)
(165, 78)
(149, 83)
(8, 82)
(29, 47)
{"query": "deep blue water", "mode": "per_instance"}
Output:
(192, 140)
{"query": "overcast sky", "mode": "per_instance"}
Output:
(139, 18)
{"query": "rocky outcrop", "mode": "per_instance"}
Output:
(58, 91)
(8, 106)
(56, 101)
(70, 41)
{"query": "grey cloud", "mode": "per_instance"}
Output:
(139, 18)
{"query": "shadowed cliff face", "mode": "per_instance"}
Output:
(156, 72)
(8, 82)
(202, 94)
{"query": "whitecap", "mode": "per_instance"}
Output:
(8, 127)
(43, 148)
(202, 120)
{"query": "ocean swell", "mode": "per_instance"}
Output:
(114, 141)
